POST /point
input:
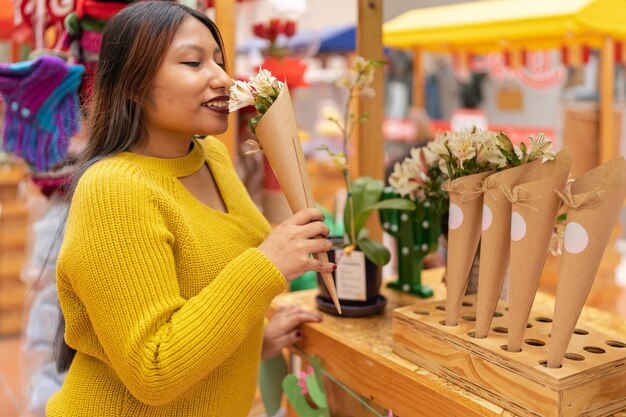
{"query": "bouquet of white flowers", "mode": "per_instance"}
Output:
(277, 133)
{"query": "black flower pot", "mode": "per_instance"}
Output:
(374, 302)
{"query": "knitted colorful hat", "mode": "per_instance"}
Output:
(42, 109)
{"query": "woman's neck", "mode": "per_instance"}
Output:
(164, 146)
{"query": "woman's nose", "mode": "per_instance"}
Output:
(221, 79)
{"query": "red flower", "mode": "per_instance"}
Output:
(276, 24)
(290, 28)
(271, 33)
(259, 30)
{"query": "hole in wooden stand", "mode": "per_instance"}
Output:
(574, 357)
(543, 319)
(469, 318)
(421, 312)
(500, 330)
(497, 314)
(443, 323)
(534, 342)
(528, 325)
(616, 344)
(544, 363)
(594, 349)
(506, 308)
(506, 348)
(472, 334)
(442, 308)
(467, 304)
(581, 331)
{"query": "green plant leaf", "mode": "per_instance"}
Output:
(394, 203)
(366, 192)
(315, 391)
(297, 400)
(374, 251)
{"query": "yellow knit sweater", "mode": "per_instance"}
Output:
(163, 297)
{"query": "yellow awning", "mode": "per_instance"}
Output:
(496, 25)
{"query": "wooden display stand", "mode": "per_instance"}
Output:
(13, 229)
(591, 381)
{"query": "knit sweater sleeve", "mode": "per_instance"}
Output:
(122, 268)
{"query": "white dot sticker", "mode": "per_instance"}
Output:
(487, 217)
(455, 218)
(518, 226)
(576, 238)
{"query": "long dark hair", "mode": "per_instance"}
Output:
(134, 43)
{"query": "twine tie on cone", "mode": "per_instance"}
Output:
(589, 199)
(457, 188)
(519, 196)
(487, 186)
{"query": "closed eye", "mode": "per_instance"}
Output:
(193, 64)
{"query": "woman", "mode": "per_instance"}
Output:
(167, 268)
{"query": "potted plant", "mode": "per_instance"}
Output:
(419, 179)
(359, 259)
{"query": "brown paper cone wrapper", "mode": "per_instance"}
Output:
(466, 203)
(594, 203)
(533, 216)
(278, 135)
(495, 243)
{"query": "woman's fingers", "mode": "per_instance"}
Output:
(314, 229)
(307, 216)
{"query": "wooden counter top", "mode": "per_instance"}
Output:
(358, 352)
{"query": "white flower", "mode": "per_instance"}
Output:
(487, 149)
(265, 84)
(462, 147)
(504, 142)
(438, 145)
(427, 156)
(240, 96)
(540, 147)
(400, 181)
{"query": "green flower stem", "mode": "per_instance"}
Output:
(346, 178)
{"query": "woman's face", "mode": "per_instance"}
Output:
(189, 94)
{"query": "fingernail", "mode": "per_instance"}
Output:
(334, 267)
(298, 334)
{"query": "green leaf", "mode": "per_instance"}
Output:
(253, 122)
(374, 251)
(261, 108)
(315, 391)
(394, 203)
(297, 400)
(561, 217)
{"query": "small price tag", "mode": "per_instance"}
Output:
(350, 276)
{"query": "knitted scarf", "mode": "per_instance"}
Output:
(42, 109)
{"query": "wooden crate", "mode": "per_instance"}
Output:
(591, 382)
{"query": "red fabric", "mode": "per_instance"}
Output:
(98, 10)
(270, 182)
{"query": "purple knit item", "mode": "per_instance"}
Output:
(42, 109)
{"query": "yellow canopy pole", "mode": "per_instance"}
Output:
(225, 21)
(608, 143)
(370, 149)
(418, 78)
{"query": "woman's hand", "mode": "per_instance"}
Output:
(283, 329)
(291, 242)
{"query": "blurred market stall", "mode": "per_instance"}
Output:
(514, 28)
